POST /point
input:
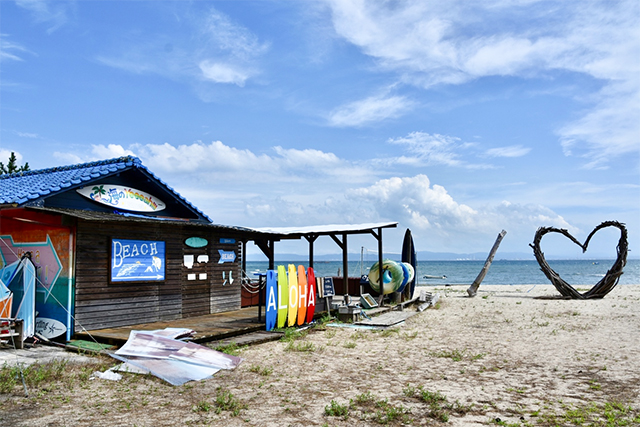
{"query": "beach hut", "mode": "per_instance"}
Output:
(114, 245)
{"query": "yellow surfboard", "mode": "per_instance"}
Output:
(302, 295)
(293, 295)
(283, 296)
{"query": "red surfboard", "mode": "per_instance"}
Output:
(302, 295)
(311, 294)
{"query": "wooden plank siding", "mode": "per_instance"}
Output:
(101, 304)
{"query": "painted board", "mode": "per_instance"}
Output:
(283, 296)
(311, 294)
(271, 309)
(49, 328)
(302, 295)
(118, 196)
(293, 295)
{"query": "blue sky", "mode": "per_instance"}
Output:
(456, 119)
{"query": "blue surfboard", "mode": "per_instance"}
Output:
(271, 300)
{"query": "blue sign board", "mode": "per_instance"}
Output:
(328, 289)
(226, 256)
(227, 241)
(137, 260)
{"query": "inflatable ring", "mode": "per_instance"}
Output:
(392, 278)
(409, 274)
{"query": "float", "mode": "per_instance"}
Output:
(395, 276)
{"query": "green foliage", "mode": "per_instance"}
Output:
(47, 376)
(439, 408)
(232, 349)
(455, 355)
(12, 167)
(334, 409)
(300, 346)
(291, 334)
(264, 371)
(226, 401)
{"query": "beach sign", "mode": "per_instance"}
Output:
(272, 307)
(293, 295)
(302, 295)
(311, 294)
(137, 260)
(283, 296)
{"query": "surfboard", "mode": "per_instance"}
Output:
(311, 294)
(49, 328)
(409, 256)
(293, 295)
(302, 295)
(271, 309)
(283, 296)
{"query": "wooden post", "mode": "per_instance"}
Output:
(473, 289)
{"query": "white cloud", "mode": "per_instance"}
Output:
(435, 149)
(11, 51)
(223, 73)
(511, 151)
(292, 187)
(431, 43)
(213, 49)
(369, 110)
(27, 135)
(52, 13)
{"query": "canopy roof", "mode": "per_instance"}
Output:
(324, 230)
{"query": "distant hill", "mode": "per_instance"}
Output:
(423, 256)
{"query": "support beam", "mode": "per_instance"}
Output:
(266, 246)
(345, 258)
(378, 237)
(311, 238)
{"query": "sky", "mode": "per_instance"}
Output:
(454, 119)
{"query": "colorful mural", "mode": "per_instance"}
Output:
(51, 252)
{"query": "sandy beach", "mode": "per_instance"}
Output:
(513, 355)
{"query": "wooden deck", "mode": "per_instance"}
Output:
(211, 327)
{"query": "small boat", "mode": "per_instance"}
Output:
(434, 277)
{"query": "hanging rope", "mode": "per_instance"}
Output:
(249, 286)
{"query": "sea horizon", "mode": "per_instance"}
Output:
(501, 272)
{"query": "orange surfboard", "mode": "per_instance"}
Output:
(311, 294)
(302, 295)
(293, 295)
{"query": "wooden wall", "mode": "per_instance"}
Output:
(101, 304)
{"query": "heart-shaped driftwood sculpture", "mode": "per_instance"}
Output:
(604, 286)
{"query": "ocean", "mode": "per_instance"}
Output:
(501, 272)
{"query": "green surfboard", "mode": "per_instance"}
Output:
(283, 296)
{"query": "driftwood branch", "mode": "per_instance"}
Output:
(473, 289)
(608, 282)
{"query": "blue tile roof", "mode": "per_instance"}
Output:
(26, 187)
